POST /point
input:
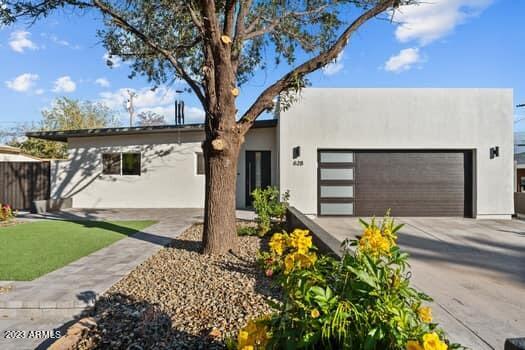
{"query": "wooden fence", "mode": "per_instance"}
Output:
(21, 183)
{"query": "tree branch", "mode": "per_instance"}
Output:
(265, 100)
(196, 20)
(124, 24)
(252, 32)
(240, 30)
(229, 15)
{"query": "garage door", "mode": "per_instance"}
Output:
(411, 183)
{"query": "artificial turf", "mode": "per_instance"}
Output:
(32, 249)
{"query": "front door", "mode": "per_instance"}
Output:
(258, 172)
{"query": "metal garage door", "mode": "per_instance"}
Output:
(411, 183)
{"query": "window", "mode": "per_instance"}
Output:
(200, 164)
(111, 163)
(130, 163)
(121, 164)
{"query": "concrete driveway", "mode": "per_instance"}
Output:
(474, 270)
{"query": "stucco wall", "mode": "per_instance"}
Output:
(401, 119)
(168, 178)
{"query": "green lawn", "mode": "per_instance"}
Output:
(30, 250)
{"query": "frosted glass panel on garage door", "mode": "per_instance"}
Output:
(337, 208)
(337, 174)
(337, 191)
(337, 157)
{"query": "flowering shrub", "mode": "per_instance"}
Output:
(254, 335)
(6, 213)
(362, 301)
(289, 252)
(268, 205)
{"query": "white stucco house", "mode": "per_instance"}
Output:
(357, 152)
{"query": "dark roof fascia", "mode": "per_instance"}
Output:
(63, 135)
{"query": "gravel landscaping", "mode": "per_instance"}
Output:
(180, 299)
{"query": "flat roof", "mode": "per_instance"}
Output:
(63, 135)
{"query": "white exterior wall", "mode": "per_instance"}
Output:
(475, 119)
(168, 178)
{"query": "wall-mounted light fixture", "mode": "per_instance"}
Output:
(296, 152)
(494, 152)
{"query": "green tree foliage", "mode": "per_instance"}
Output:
(64, 114)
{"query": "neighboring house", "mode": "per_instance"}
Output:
(13, 154)
(420, 152)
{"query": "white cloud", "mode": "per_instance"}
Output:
(160, 101)
(19, 41)
(39, 91)
(55, 39)
(334, 67)
(102, 82)
(64, 84)
(403, 61)
(430, 21)
(144, 97)
(23, 82)
(114, 61)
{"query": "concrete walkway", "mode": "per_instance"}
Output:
(57, 297)
(474, 270)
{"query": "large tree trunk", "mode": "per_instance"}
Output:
(220, 232)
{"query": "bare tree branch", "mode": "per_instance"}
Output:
(265, 100)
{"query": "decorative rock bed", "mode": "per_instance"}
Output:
(181, 299)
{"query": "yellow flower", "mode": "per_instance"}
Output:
(300, 260)
(315, 313)
(431, 342)
(300, 241)
(414, 345)
(425, 314)
(277, 243)
(374, 243)
(242, 338)
(289, 263)
(254, 335)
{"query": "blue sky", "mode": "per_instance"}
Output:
(442, 43)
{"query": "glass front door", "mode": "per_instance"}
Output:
(258, 172)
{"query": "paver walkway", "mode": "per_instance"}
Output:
(474, 270)
(57, 297)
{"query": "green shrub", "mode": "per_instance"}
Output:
(246, 230)
(269, 207)
(362, 301)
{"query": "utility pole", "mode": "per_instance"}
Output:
(129, 106)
